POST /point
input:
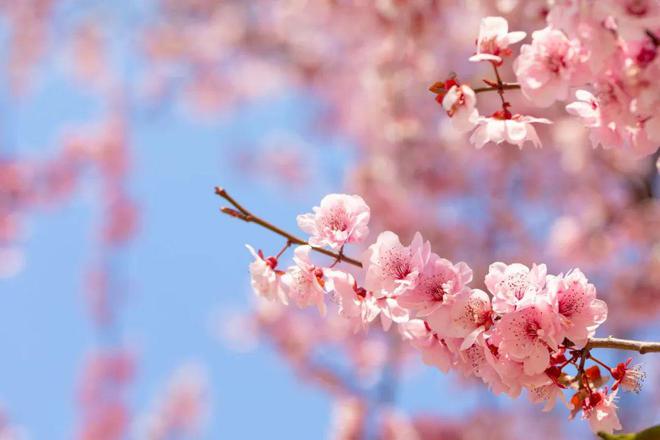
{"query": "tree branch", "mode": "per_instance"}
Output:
(505, 86)
(624, 344)
(240, 212)
(243, 214)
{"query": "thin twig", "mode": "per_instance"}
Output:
(243, 214)
(624, 344)
(505, 86)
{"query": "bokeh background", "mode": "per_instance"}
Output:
(122, 286)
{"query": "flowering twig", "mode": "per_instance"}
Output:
(243, 214)
(624, 344)
(504, 86)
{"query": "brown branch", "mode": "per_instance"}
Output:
(624, 344)
(505, 86)
(243, 214)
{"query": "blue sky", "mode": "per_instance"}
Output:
(187, 264)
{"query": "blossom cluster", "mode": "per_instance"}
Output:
(602, 53)
(521, 333)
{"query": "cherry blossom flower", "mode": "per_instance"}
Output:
(611, 123)
(340, 219)
(549, 66)
(303, 282)
(629, 378)
(527, 335)
(355, 303)
(435, 351)
(265, 280)
(575, 301)
(547, 394)
(494, 40)
(467, 317)
(586, 107)
(391, 311)
(515, 130)
(392, 268)
(460, 104)
(439, 280)
(599, 409)
(512, 283)
(473, 361)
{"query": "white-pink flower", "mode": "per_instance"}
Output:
(467, 317)
(549, 66)
(439, 280)
(392, 268)
(548, 394)
(513, 283)
(460, 104)
(494, 40)
(265, 280)
(340, 219)
(391, 311)
(600, 411)
(527, 335)
(435, 351)
(611, 122)
(303, 283)
(586, 107)
(473, 361)
(575, 301)
(355, 303)
(516, 130)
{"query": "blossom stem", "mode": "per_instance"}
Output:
(286, 246)
(601, 363)
(504, 86)
(242, 213)
(624, 344)
(584, 353)
(500, 87)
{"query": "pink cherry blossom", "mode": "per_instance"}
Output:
(611, 122)
(355, 303)
(434, 351)
(600, 411)
(512, 283)
(460, 104)
(302, 282)
(340, 219)
(468, 317)
(547, 394)
(439, 280)
(390, 311)
(580, 312)
(527, 335)
(629, 378)
(549, 66)
(516, 130)
(494, 40)
(265, 280)
(392, 268)
(586, 107)
(472, 361)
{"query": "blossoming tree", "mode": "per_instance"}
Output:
(557, 240)
(529, 329)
